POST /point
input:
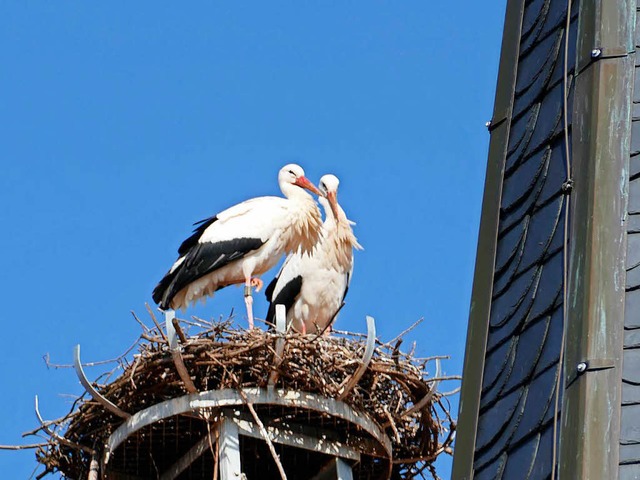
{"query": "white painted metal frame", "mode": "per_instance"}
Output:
(231, 397)
(368, 354)
(106, 403)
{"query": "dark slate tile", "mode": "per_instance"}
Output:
(497, 425)
(633, 278)
(632, 309)
(631, 366)
(629, 426)
(629, 472)
(630, 454)
(637, 31)
(636, 84)
(521, 459)
(540, 405)
(551, 20)
(556, 173)
(503, 280)
(543, 463)
(551, 350)
(523, 179)
(630, 394)
(528, 350)
(555, 19)
(497, 366)
(535, 71)
(519, 136)
(549, 287)
(634, 196)
(632, 338)
(492, 470)
(633, 250)
(545, 233)
(549, 119)
(509, 248)
(506, 303)
(635, 129)
(634, 162)
(633, 222)
(532, 20)
(511, 309)
(514, 208)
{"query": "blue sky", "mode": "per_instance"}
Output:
(124, 123)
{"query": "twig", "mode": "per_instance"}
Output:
(144, 327)
(23, 447)
(181, 336)
(404, 332)
(265, 435)
(153, 317)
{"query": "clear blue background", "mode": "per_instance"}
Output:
(125, 122)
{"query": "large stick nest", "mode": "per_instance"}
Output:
(395, 391)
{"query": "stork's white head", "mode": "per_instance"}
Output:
(293, 175)
(329, 188)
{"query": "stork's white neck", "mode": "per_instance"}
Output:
(293, 192)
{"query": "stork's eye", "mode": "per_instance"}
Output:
(292, 173)
(323, 186)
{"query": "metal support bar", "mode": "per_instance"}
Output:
(174, 347)
(92, 391)
(336, 469)
(191, 456)
(344, 470)
(281, 326)
(231, 397)
(229, 451)
(368, 353)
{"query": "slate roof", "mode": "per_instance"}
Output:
(515, 431)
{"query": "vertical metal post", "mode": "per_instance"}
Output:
(343, 470)
(229, 451)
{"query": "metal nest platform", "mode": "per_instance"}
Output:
(222, 402)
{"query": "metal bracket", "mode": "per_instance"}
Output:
(593, 365)
(178, 361)
(281, 327)
(366, 358)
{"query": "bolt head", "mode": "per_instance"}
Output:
(582, 367)
(596, 52)
(487, 124)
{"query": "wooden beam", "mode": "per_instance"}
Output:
(601, 132)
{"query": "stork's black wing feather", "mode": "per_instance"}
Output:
(200, 259)
(268, 292)
(287, 296)
(191, 242)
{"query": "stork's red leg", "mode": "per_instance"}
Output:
(248, 300)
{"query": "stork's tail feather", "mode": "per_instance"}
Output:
(163, 294)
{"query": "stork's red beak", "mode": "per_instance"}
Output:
(332, 197)
(305, 183)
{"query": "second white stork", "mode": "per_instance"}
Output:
(312, 286)
(242, 242)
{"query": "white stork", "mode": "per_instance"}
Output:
(312, 286)
(242, 242)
